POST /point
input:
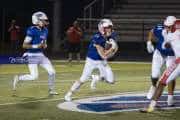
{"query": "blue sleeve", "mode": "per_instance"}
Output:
(47, 33)
(29, 32)
(114, 36)
(96, 39)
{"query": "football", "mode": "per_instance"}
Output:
(108, 46)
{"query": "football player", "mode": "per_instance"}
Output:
(35, 43)
(161, 56)
(95, 78)
(97, 56)
(173, 71)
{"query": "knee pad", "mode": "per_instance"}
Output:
(154, 81)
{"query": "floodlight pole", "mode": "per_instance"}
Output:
(56, 25)
(3, 24)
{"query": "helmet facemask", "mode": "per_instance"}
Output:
(107, 31)
(43, 23)
(105, 27)
(169, 22)
(40, 19)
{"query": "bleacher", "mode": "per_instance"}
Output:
(132, 20)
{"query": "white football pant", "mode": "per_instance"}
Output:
(157, 62)
(104, 68)
(45, 63)
(171, 73)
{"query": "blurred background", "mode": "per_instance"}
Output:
(132, 20)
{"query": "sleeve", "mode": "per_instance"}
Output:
(95, 39)
(29, 35)
(45, 40)
(114, 36)
(47, 33)
(27, 39)
(29, 32)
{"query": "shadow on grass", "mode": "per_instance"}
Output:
(31, 102)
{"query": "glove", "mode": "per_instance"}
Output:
(150, 47)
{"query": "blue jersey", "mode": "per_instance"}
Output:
(97, 39)
(157, 30)
(38, 36)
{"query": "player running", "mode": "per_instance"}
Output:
(97, 56)
(95, 78)
(35, 43)
(160, 57)
(173, 71)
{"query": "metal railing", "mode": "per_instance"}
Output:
(96, 9)
(128, 30)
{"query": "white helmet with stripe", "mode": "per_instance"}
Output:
(39, 18)
(104, 23)
(170, 20)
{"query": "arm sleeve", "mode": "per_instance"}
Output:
(96, 40)
(27, 39)
(29, 35)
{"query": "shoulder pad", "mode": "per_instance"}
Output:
(96, 36)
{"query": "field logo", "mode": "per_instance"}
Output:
(116, 103)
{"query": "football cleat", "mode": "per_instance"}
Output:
(147, 110)
(15, 81)
(67, 98)
(151, 92)
(52, 92)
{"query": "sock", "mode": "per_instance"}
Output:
(75, 86)
(51, 81)
(170, 96)
(69, 93)
(152, 103)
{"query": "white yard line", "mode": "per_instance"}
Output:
(49, 100)
(44, 82)
(119, 62)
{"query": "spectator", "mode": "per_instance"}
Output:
(14, 31)
(74, 34)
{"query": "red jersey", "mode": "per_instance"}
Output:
(74, 34)
(14, 33)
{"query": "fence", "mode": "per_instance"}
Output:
(128, 30)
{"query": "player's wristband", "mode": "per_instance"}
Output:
(34, 46)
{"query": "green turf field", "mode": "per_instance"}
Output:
(31, 100)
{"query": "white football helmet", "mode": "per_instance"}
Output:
(40, 18)
(103, 24)
(169, 21)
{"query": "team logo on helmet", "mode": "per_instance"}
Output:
(39, 18)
